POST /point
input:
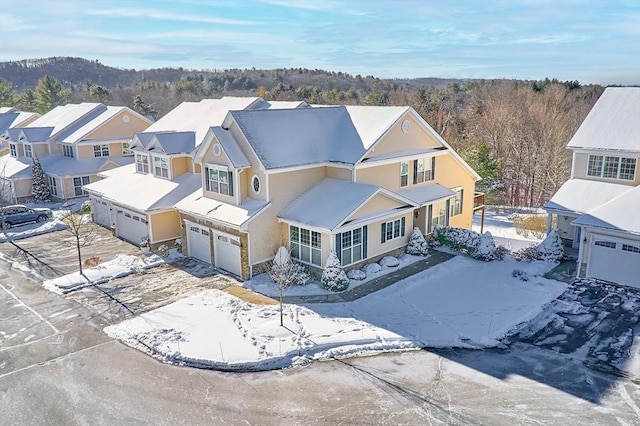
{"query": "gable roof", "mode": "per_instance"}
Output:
(35, 134)
(65, 119)
(172, 142)
(231, 148)
(613, 123)
(15, 118)
(615, 215)
(94, 123)
(345, 198)
(371, 122)
(59, 165)
(294, 137)
(581, 195)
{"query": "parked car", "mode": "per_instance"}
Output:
(19, 214)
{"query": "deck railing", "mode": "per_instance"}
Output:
(478, 201)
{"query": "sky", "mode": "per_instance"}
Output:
(590, 41)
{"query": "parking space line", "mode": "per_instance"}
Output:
(53, 327)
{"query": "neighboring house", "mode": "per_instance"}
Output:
(138, 200)
(597, 210)
(12, 118)
(73, 142)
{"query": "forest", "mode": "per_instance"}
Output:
(512, 132)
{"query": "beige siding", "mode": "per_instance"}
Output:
(377, 204)
(55, 148)
(115, 149)
(84, 151)
(396, 140)
(180, 166)
(386, 176)
(265, 233)
(451, 174)
(40, 149)
(117, 128)
(581, 161)
(165, 226)
(374, 245)
(338, 173)
(22, 188)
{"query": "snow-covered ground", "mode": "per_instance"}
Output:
(503, 231)
(459, 303)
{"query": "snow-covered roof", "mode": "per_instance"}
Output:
(581, 195)
(198, 117)
(281, 105)
(425, 194)
(67, 118)
(400, 154)
(173, 142)
(111, 111)
(231, 148)
(5, 109)
(14, 119)
(329, 203)
(618, 214)
(613, 123)
(144, 192)
(141, 140)
(35, 134)
(59, 165)
(371, 122)
(293, 137)
(196, 203)
(15, 168)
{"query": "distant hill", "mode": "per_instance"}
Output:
(74, 72)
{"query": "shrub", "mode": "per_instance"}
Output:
(356, 274)
(530, 224)
(389, 262)
(372, 268)
(550, 249)
(333, 277)
(417, 244)
(474, 244)
(163, 251)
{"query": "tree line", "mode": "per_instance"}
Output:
(514, 133)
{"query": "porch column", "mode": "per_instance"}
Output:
(549, 221)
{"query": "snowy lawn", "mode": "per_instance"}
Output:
(503, 230)
(459, 303)
(121, 266)
(262, 283)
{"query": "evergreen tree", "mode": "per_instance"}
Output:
(333, 277)
(141, 108)
(27, 101)
(7, 97)
(49, 94)
(417, 244)
(40, 190)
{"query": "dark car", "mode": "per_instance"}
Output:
(19, 214)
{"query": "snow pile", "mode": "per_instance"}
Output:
(417, 244)
(372, 269)
(333, 277)
(550, 249)
(389, 262)
(31, 230)
(476, 245)
(356, 274)
(459, 303)
(121, 266)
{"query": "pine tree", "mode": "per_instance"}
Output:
(40, 190)
(417, 244)
(333, 277)
(27, 101)
(49, 94)
(7, 97)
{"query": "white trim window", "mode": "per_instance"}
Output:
(423, 169)
(100, 151)
(305, 245)
(404, 173)
(78, 183)
(351, 246)
(67, 151)
(28, 151)
(13, 149)
(218, 179)
(142, 163)
(53, 186)
(456, 202)
(392, 230)
(161, 166)
(611, 167)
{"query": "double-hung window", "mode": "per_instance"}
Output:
(100, 151)
(78, 183)
(161, 167)
(13, 149)
(28, 151)
(423, 170)
(404, 173)
(67, 151)
(142, 163)
(456, 203)
(392, 230)
(352, 245)
(305, 245)
(611, 167)
(53, 186)
(219, 179)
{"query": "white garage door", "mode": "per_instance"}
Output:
(615, 260)
(101, 212)
(131, 226)
(227, 252)
(199, 242)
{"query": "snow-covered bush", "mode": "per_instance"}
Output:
(550, 249)
(417, 244)
(356, 274)
(85, 207)
(285, 272)
(333, 277)
(372, 268)
(163, 251)
(389, 262)
(519, 273)
(476, 245)
(178, 244)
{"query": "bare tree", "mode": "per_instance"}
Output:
(81, 229)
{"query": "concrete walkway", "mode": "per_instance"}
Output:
(565, 271)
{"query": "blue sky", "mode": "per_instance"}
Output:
(589, 41)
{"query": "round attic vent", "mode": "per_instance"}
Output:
(255, 184)
(406, 126)
(125, 118)
(217, 150)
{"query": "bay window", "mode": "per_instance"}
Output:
(305, 245)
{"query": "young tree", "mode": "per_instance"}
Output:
(49, 94)
(39, 190)
(81, 229)
(333, 277)
(417, 244)
(283, 272)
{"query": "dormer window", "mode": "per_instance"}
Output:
(13, 149)
(28, 151)
(100, 151)
(219, 179)
(161, 167)
(67, 151)
(142, 163)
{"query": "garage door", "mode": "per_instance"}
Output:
(101, 212)
(131, 226)
(227, 252)
(199, 242)
(615, 260)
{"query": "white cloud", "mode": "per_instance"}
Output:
(163, 16)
